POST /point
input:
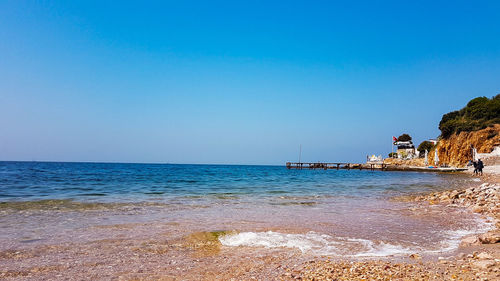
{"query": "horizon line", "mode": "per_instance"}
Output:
(142, 163)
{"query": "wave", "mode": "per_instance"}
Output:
(454, 237)
(380, 249)
(315, 243)
(300, 203)
(72, 205)
(270, 239)
(326, 245)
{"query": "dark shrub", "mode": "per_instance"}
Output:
(425, 145)
(404, 137)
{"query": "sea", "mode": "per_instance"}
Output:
(343, 213)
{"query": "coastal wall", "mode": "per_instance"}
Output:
(456, 150)
(419, 162)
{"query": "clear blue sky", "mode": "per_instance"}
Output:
(236, 81)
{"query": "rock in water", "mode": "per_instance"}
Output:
(469, 241)
(416, 256)
(491, 237)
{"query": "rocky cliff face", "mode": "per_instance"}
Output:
(456, 150)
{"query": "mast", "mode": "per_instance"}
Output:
(300, 153)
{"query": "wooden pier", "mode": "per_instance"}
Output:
(335, 166)
(368, 166)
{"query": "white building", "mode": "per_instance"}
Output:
(406, 150)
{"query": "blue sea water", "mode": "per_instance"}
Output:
(334, 212)
(114, 182)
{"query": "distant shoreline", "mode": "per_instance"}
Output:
(138, 163)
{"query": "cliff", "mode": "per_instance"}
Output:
(456, 149)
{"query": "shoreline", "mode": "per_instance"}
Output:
(477, 258)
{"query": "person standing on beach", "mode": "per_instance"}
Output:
(480, 166)
(474, 163)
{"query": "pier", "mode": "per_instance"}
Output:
(335, 166)
(368, 166)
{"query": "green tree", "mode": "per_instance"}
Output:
(404, 137)
(425, 145)
(478, 114)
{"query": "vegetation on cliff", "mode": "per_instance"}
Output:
(478, 114)
(425, 145)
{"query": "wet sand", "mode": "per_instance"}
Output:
(200, 257)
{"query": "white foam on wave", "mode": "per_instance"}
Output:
(323, 244)
(454, 237)
(304, 242)
(381, 249)
(314, 243)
